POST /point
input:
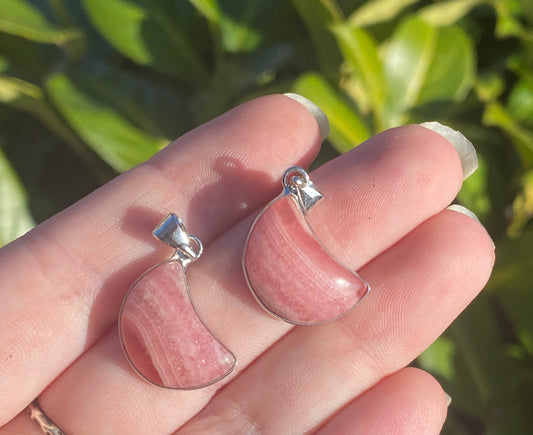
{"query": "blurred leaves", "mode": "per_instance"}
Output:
(156, 33)
(235, 34)
(377, 11)
(15, 218)
(113, 81)
(420, 64)
(445, 13)
(318, 16)
(346, 127)
(20, 18)
(112, 137)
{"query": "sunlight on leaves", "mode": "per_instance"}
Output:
(377, 11)
(236, 35)
(445, 13)
(361, 54)
(347, 129)
(20, 18)
(107, 132)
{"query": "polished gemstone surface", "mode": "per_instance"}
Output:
(292, 274)
(163, 337)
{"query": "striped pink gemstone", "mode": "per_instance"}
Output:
(163, 337)
(292, 274)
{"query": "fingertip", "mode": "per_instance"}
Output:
(465, 149)
(317, 112)
(465, 211)
(407, 402)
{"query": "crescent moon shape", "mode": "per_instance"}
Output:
(290, 272)
(162, 336)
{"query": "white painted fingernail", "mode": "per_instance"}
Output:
(460, 209)
(464, 210)
(318, 114)
(448, 399)
(465, 149)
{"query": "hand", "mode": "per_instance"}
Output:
(63, 283)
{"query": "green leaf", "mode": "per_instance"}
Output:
(448, 12)
(522, 206)
(424, 64)
(318, 17)
(107, 132)
(511, 280)
(510, 17)
(237, 35)
(361, 54)
(19, 18)
(520, 103)
(377, 11)
(407, 61)
(487, 378)
(514, 263)
(474, 193)
(150, 105)
(150, 32)
(452, 70)
(15, 218)
(347, 128)
(4, 64)
(489, 87)
(30, 98)
(496, 115)
(438, 358)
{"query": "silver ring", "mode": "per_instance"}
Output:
(46, 425)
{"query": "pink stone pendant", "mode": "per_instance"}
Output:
(162, 336)
(289, 271)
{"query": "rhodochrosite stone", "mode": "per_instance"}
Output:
(163, 337)
(291, 273)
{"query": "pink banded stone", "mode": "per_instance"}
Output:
(163, 337)
(292, 274)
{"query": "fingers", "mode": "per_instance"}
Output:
(419, 286)
(21, 425)
(63, 282)
(408, 402)
(382, 190)
(404, 171)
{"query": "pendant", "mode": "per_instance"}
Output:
(289, 271)
(161, 334)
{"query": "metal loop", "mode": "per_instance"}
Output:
(189, 252)
(199, 246)
(295, 178)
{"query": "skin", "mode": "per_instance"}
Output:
(63, 283)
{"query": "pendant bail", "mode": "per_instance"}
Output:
(297, 183)
(172, 232)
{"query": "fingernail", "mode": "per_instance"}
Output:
(460, 209)
(464, 210)
(318, 114)
(465, 149)
(448, 399)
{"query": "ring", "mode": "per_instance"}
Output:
(46, 425)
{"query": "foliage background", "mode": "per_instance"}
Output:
(90, 88)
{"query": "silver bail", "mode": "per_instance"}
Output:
(308, 197)
(172, 232)
(297, 183)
